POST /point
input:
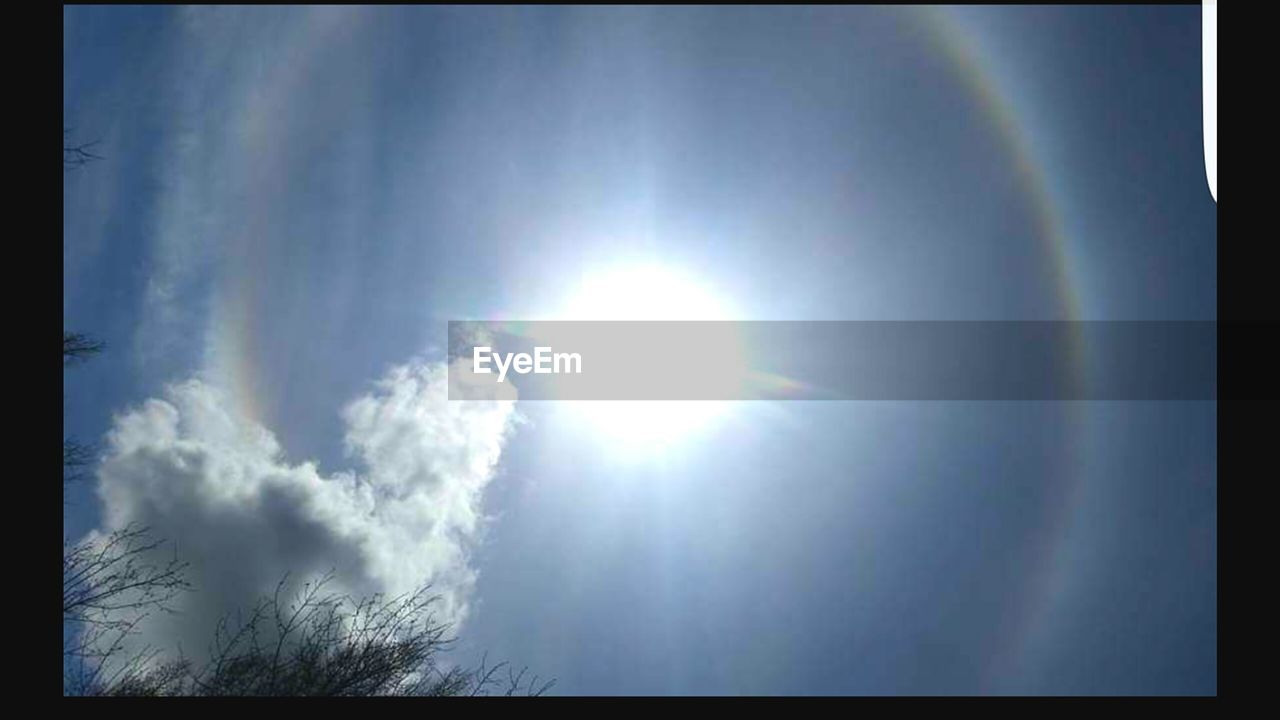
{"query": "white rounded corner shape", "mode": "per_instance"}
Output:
(1209, 43)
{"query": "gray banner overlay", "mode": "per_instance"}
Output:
(833, 360)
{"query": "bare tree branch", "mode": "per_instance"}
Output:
(323, 644)
(105, 582)
(76, 155)
(75, 458)
(77, 347)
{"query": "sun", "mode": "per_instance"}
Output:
(643, 291)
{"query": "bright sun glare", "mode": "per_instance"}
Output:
(644, 292)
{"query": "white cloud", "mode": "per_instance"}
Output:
(218, 487)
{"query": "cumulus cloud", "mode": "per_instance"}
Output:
(217, 487)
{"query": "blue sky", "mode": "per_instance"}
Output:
(292, 203)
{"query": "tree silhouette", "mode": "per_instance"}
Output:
(76, 456)
(78, 347)
(321, 644)
(109, 584)
(76, 155)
